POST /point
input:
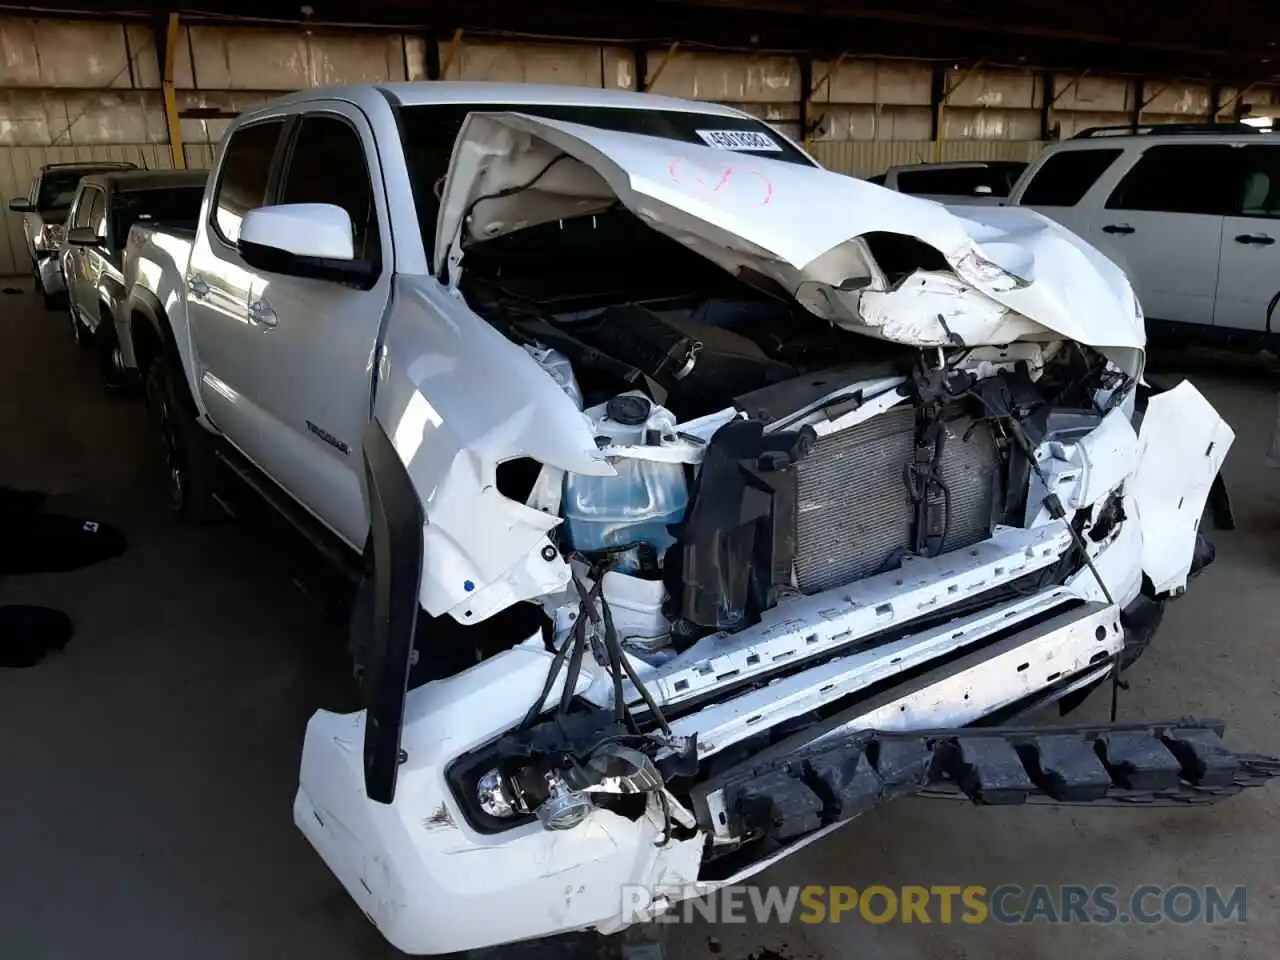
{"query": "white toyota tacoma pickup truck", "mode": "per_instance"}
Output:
(705, 497)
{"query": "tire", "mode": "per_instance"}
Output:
(78, 333)
(115, 376)
(47, 301)
(186, 455)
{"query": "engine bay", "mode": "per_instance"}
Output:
(761, 451)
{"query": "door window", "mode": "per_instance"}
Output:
(1064, 179)
(84, 205)
(1260, 189)
(244, 176)
(1181, 178)
(327, 165)
(98, 213)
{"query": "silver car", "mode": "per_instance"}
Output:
(44, 211)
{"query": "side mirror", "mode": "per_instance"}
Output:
(21, 205)
(84, 237)
(311, 240)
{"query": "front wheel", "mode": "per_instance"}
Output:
(185, 452)
(79, 334)
(117, 377)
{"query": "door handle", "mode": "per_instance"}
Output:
(260, 312)
(1259, 238)
(1117, 228)
(198, 286)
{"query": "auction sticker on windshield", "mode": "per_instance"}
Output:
(739, 140)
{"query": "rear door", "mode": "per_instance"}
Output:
(75, 266)
(217, 286)
(92, 262)
(310, 342)
(1249, 266)
(1163, 224)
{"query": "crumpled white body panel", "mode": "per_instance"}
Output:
(427, 880)
(1182, 444)
(796, 224)
(457, 399)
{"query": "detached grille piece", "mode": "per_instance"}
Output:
(853, 513)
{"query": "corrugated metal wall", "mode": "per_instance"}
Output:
(86, 89)
(866, 158)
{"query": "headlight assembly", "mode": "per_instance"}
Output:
(981, 272)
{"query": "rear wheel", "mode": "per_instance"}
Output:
(190, 471)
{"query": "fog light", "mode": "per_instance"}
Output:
(495, 797)
(565, 807)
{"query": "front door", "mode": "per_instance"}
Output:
(1249, 267)
(1163, 224)
(314, 339)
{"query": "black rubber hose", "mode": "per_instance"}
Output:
(553, 671)
(611, 639)
(613, 650)
(575, 664)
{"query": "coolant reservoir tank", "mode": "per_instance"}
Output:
(644, 499)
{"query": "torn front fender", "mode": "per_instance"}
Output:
(1181, 446)
(457, 399)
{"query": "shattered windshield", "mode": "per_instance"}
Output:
(428, 132)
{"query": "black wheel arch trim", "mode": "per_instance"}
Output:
(147, 304)
(396, 538)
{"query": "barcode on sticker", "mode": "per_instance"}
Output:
(739, 140)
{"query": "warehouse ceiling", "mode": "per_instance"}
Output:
(1227, 41)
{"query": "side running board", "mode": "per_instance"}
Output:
(1123, 764)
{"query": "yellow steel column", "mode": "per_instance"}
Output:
(451, 55)
(171, 118)
(662, 65)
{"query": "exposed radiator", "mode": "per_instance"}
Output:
(853, 511)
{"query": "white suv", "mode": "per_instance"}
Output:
(1191, 212)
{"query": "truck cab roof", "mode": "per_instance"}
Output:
(129, 180)
(425, 92)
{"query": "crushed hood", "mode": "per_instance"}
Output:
(1014, 273)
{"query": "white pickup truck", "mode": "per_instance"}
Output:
(673, 461)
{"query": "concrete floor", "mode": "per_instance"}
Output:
(146, 774)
